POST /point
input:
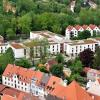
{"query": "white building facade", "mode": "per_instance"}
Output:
(3, 47)
(21, 79)
(75, 47)
(18, 49)
(53, 39)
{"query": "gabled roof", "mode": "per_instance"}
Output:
(52, 83)
(70, 28)
(13, 94)
(23, 74)
(57, 90)
(72, 92)
(92, 26)
(85, 27)
(26, 96)
(77, 27)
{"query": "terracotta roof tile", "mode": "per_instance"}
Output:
(70, 28)
(92, 26)
(77, 27)
(52, 83)
(72, 92)
(10, 91)
(27, 96)
(13, 94)
(85, 27)
(24, 74)
(8, 97)
(2, 87)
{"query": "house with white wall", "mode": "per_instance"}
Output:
(93, 74)
(18, 49)
(93, 87)
(29, 80)
(21, 79)
(73, 31)
(3, 47)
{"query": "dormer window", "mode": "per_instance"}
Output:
(50, 88)
(47, 87)
(54, 83)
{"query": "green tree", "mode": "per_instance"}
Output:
(24, 24)
(23, 63)
(43, 69)
(77, 66)
(10, 34)
(24, 6)
(59, 58)
(57, 70)
(77, 8)
(10, 52)
(84, 35)
(78, 78)
(5, 59)
(97, 58)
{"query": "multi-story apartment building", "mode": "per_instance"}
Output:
(73, 31)
(55, 44)
(75, 47)
(55, 41)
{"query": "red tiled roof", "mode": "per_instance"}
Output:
(24, 74)
(10, 91)
(8, 97)
(77, 27)
(57, 90)
(26, 96)
(70, 28)
(2, 87)
(94, 97)
(72, 92)
(85, 27)
(92, 26)
(39, 76)
(13, 94)
(52, 83)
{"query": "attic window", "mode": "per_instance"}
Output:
(54, 83)
(50, 88)
(47, 87)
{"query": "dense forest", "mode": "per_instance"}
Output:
(19, 17)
